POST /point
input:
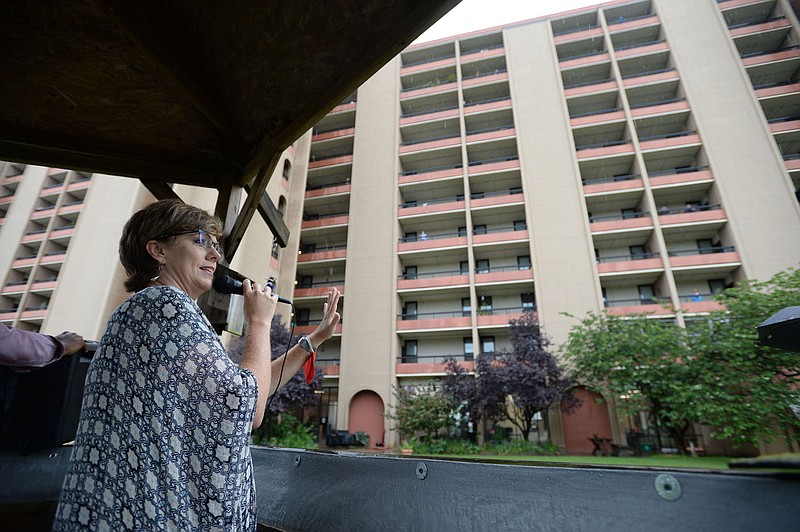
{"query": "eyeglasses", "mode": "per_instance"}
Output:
(203, 239)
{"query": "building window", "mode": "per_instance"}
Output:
(487, 344)
(466, 307)
(306, 281)
(482, 266)
(528, 302)
(287, 169)
(716, 286)
(479, 229)
(485, 305)
(411, 236)
(410, 272)
(647, 294)
(469, 349)
(303, 316)
(520, 225)
(464, 267)
(524, 262)
(409, 351)
(637, 252)
(410, 310)
(462, 231)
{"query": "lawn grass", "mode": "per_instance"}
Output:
(654, 460)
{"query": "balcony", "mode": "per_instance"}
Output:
(620, 222)
(493, 165)
(491, 104)
(428, 115)
(705, 257)
(480, 200)
(15, 287)
(430, 143)
(491, 133)
(431, 280)
(584, 59)
(430, 364)
(623, 307)
(311, 221)
(429, 174)
(499, 317)
(435, 88)
(620, 264)
(416, 208)
(433, 321)
(699, 303)
(333, 134)
(640, 48)
(422, 66)
(679, 176)
(329, 189)
(605, 149)
(309, 326)
(781, 54)
(622, 23)
(590, 87)
(750, 28)
(659, 107)
(780, 88)
(600, 116)
(501, 234)
(73, 206)
(617, 183)
(691, 214)
(432, 241)
(503, 275)
(317, 290)
(323, 254)
(578, 34)
(499, 74)
(331, 160)
(784, 124)
(650, 77)
(669, 140)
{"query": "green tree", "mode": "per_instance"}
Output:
(748, 389)
(421, 409)
(643, 362)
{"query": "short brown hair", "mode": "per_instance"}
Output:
(159, 218)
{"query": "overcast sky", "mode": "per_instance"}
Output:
(472, 15)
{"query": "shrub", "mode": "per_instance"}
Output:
(288, 431)
(520, 447)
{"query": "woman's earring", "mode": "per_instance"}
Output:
(160, 267)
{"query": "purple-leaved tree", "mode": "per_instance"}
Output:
(528, 374)
(295, 394)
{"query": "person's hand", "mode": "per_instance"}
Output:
(330, 319)
(72, 342)
(259, 303)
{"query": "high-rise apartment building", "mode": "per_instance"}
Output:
(631, 157)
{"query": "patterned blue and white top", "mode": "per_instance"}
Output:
(164, 437)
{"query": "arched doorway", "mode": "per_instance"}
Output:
(366, 415)
(587, 421)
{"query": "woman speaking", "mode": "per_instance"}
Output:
(164, 435)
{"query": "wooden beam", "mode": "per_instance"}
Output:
(227, 208)
(251, 204)
(133, 20)
(159, 189)
(274, 220)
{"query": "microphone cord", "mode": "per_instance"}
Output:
(283, 364)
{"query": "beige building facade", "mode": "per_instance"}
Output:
(615, 157)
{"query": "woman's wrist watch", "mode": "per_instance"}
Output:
(305, 343)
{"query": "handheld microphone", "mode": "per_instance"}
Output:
(225, 284)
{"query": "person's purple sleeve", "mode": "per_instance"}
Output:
(25, 350)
